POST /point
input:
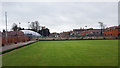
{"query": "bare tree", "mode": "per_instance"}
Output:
(14, 27)
(4, 31)
(32, 25)
(35, 26)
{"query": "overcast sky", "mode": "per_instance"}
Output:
(61, 16)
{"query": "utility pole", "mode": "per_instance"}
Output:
(6, 26)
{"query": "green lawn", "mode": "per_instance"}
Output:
(65, 53)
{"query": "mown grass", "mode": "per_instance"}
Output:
(65, 53)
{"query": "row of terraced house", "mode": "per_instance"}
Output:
(113, 31)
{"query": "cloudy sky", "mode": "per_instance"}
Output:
(61, 16)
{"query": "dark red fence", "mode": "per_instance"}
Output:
(13, 37)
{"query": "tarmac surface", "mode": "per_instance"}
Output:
(7, 47)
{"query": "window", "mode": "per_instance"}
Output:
(119, 30)
(119, 34)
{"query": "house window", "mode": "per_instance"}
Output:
(119, 30)
(119, 34)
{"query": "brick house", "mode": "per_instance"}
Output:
(112, 31)
(65, 34)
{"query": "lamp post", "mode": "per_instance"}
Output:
(6, 27)
(101, 25)
(19, 25)
(86, 30)
(28, 31)
(28, 25)
(86, 27)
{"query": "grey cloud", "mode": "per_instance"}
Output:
(62, 16)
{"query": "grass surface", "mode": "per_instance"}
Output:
(65, 53)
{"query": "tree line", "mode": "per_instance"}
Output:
(34, 26)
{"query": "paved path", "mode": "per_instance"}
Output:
(7, 47)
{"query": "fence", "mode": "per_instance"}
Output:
(13, 37)
(78, 38)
